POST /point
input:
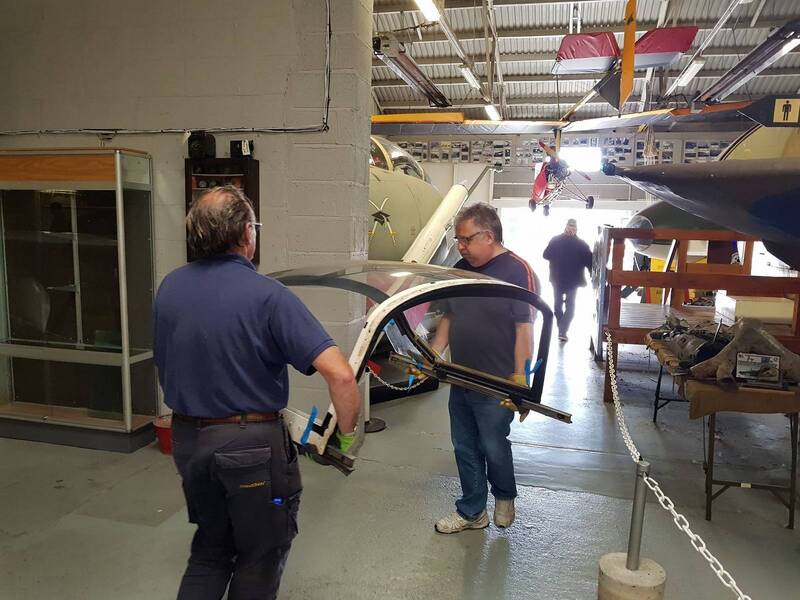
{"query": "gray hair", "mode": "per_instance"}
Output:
(485, 217)
(217, 227)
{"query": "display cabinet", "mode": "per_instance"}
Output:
(205, 173)
(76, 294)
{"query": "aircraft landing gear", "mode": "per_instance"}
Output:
(532, 205)
(589, 201)
(546, 210)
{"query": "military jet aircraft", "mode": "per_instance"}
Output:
(754, 188)
(410, 217)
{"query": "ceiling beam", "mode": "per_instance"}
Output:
(409, 5)
(415, 105)
(539, 32)
(384, 83)
(551, 56)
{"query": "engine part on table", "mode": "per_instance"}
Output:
(749, 336)
(692, 349)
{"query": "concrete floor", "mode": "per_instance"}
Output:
(84, 525)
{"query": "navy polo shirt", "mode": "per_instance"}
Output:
(224, 335)
(482, 331)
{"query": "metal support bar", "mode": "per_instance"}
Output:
(637, 516)
(705, 43)
(660, 401)
(76, 268)
(127, 408)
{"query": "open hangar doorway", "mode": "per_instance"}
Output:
(527, 233)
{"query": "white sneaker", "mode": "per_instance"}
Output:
(504, 512)
(454, 523)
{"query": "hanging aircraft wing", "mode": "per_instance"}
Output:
(663, 46)
(759, 197)
(586, 53)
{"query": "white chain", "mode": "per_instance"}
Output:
(397, 388)
(666, 503)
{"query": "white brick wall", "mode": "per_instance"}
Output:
(206, 63)
(192, 64)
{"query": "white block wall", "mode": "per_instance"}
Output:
(197, 64)
(193, 64)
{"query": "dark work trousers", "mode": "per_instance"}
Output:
(564, 309)
(242, 487)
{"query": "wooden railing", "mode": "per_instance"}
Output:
(629, 323)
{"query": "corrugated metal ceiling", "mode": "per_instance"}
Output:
(521, 18)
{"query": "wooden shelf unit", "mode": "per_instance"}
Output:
(205, 173)
(629, 323)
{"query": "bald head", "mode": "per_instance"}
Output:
(219, 222)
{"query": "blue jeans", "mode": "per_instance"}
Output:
(479, 428)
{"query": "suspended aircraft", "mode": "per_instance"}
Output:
(552, 181)
(753, 188)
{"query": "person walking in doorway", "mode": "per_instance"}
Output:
(568, 256)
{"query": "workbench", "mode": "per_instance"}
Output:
(706, 399)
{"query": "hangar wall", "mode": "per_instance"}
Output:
(203, 64)
(199, 64)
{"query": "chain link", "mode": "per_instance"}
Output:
(666, 503)
(397, 388)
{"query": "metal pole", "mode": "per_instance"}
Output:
(127, 408)
(637, 516)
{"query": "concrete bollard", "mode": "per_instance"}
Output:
(616, 582)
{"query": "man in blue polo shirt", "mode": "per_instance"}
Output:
(224, 336)
(493, 335)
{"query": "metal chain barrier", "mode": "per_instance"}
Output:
(397, 388)
(666, 503)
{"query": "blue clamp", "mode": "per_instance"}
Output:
(307, 432)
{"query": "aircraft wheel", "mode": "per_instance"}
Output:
(546, 210)
(589, 201)
(532, 205)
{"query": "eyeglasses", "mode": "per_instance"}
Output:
(257, 226)
(467, 239)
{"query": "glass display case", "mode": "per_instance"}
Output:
(76, 291)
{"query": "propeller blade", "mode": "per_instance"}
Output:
(582, 174)
(548, 150)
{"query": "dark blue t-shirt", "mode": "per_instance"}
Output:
(224, 335)
(482, 331)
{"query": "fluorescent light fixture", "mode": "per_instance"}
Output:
(492, 112)
(393, 53)
(789, 46)
(778, 44)
(429, 9)
(589, 160)
(470, 78)
(689, 72)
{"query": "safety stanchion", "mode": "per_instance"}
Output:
(627, 576)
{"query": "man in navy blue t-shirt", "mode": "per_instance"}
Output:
(496, 336)
(224, 336)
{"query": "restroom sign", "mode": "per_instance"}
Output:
(786, 111)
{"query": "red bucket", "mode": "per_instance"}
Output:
(163, 427)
